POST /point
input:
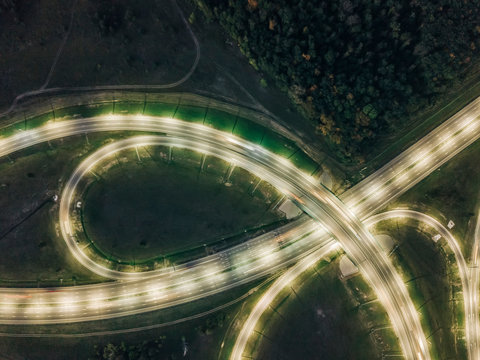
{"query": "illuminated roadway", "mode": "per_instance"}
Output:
(273, 291)
(396, 177)
(415, 163)
(468, 284)
(474, 329)
(315, 200)
(197, 279)
(407, 169)
(291, 274)
(400, 174)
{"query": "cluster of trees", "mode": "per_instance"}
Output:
(159, 348)
(212, 323)
(111, 17)
(9, 5)
(153, 349)
(358, 68)
(14, 9)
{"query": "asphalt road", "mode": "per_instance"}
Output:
(365, 198)
(317, 201)
(469, 285)
(291, 274)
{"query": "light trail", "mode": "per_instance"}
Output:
(291, 274)
(326, 208)
(189, 282)
(474, 344)
(362, 206)
(468, 285)
(283, 281)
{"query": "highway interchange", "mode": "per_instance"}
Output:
(316, 200)
(139, 292)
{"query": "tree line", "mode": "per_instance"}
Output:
(357, 68)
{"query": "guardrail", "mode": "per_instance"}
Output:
(241, 121)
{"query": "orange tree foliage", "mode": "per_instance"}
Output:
(357, 68)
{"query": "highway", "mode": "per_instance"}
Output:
(207, 276)
(469, 286)
(273, 291)
(318, 202)
(474, 330)
(400, 174)
(291, 274)
(415, 163)
(395, 177)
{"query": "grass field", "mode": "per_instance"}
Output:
(28, 219)
(318, 318)
(156, 207)
(106, 45)
(465, 89)
(431, 279)
(263, 192)
(451, 193)
(204, 335)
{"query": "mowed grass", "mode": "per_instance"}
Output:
(314, 318)
(431, 279)
(153, 207)
(324, 319)
(451, 193)
(32, 252)
(204, 334)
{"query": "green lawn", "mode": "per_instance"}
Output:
(155, 208)
(204, 334)
(273, 142)
(128, 107)
(248, 130)
(85, 111)
(160, 109)
(315, 318)
(220, 120)
(29, 220)
(191, 113)
(12, 129)
(39, 120)
(451, 193)
(430, 279)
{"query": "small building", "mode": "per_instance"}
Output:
(347, 267)
(290, 209)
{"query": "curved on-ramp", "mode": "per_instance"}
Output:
(294, 272)
(318, 202)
